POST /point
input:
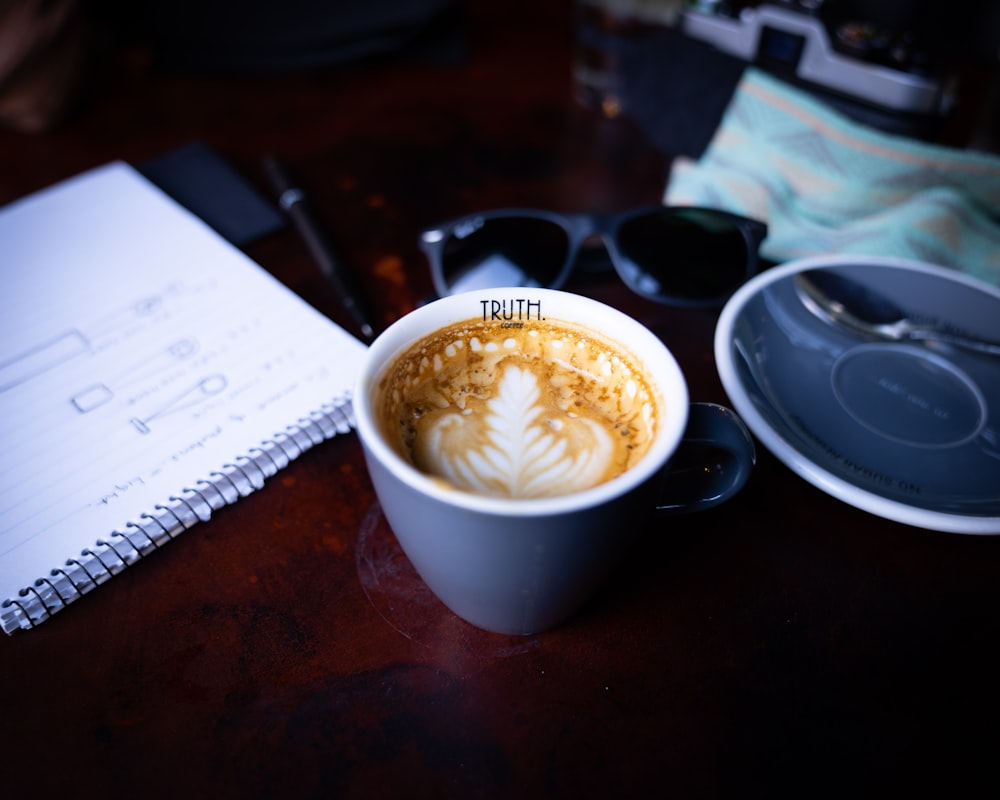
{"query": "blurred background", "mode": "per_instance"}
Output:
(644, 58)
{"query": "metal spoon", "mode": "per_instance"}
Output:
(843, 301)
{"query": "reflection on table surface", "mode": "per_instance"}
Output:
(782, 644)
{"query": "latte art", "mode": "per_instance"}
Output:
(537, 412)
(515, 450)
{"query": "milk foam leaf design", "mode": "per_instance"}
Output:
(516, 449)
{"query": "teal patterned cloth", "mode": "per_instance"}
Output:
(825, 184)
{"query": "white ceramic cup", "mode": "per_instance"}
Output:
(521, 566)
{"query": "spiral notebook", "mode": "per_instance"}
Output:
(150, 374)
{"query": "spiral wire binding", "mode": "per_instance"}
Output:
(239, 478)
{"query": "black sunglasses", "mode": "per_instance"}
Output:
(677, 255)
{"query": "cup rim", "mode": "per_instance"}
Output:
(654, 356)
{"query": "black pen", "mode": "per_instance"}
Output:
(292, 200)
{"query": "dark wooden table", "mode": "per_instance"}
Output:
(784, 644)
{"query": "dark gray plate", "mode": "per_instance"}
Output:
(908, 431)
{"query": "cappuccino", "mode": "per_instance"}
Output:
(535, 410)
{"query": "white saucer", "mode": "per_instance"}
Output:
(907, 431)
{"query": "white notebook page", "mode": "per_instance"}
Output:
(140, 354)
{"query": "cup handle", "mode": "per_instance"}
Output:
(711, 464)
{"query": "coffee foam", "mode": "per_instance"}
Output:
(544, 410)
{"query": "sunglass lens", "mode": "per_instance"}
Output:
(484, 253)
(692, 255)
